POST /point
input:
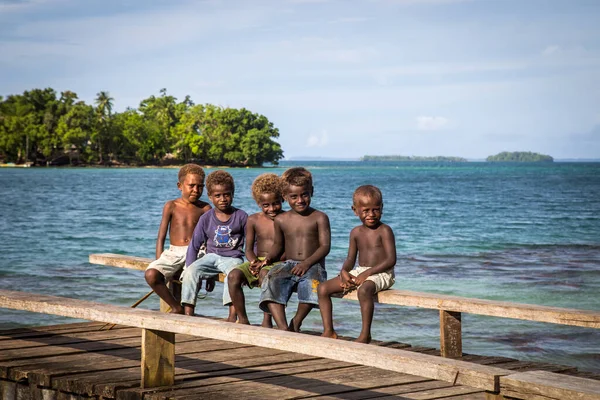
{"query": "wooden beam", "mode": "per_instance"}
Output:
(428, 366)
(450, 334)
(544, 385)
(503, 309)
(158, 358)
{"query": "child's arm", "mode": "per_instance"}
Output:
(389, 249)
(163, 228)
(345, 277)
(198, 238)
(250, 239)
(322, 250)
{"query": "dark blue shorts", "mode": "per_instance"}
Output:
(280, 283)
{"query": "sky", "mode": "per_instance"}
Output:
(339, 79)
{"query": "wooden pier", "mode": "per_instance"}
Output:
(152, 355)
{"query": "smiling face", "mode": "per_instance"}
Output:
(191, 187)
(369, 211)
(270, 204)
(298, 197)
(221, 196)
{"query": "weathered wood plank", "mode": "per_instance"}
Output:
(529, 312)
(450, 334)
(69, 338)
(543, 385)
(158, 358)
(42, 371)
(389, 359)
(107, 383)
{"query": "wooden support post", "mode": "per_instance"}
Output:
(450, 334)
(158, 358)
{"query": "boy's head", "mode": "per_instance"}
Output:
(367, 204)
(297, 188)
(266, 190)
(191, 182)
(220, 188)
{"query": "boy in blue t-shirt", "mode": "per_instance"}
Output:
(222, 229)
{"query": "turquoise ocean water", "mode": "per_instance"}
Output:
(527, 233)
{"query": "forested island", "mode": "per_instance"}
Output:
(41, 128)
(413, 158)
(519, 156)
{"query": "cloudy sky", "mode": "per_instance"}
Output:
(338, 78)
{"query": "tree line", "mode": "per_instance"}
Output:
(519, 156)
(43, 128)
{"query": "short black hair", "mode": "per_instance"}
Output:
(219, 177)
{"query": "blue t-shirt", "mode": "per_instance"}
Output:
(223, 238)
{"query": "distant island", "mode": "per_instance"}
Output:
(519, 156)
(413, 158)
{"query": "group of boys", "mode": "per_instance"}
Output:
(285, 250)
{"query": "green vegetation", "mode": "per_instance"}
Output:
(413, 158)
(519, 156)
(42, 128)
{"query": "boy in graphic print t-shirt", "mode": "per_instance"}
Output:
(222, 228)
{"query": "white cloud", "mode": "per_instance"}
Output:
(318, 140)
(426, 123)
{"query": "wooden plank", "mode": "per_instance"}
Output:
(529, 312)
(450, 334)
(398, 360)
(123, 261)
(44, 331)
(107, 383)
(69, 338)
(543, 385)
(42, 371)
(158, 358)
(216, 380)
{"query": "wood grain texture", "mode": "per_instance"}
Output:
(398, 360)
(529, 312)
(544, 385)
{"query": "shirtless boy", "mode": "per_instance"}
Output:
(266, 190)
(222, 229)
(376, 247)
(303, 234)
(179, 218)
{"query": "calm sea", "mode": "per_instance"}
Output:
(527, 233)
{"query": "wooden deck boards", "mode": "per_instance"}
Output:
(80, 360)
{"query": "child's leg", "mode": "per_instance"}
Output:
(267, 320)
(278, 312)
(190, 284)
(325, 290)
(156, 281)
(301, 313)
(366, 291)
(236, 280)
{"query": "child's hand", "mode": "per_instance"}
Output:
(300, 269)
(359, 280)
(347, 280)
(255, 267)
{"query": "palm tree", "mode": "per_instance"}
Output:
(104, 105)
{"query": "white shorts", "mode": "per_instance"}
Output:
(382, 280)
(170, 262)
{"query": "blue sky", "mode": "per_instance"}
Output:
(341, 79)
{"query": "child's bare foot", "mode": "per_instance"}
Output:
(176, 310)
(231, 319)
(329, 334)
(363, 339)
(243, 321)
(293, 326)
